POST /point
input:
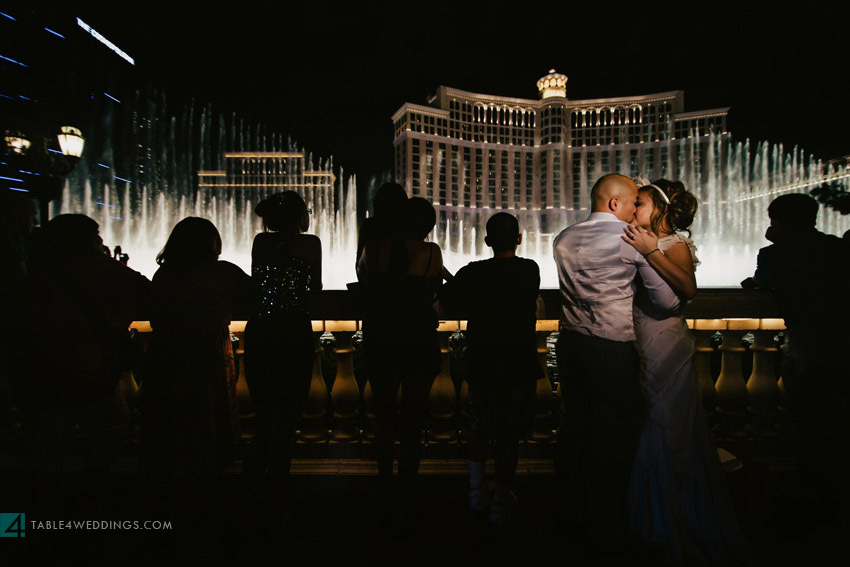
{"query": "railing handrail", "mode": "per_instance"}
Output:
(709, 303)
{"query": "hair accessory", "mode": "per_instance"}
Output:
(641, 183)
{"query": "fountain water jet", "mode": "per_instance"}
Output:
(161, 154)
(138, 192)
(733, 182)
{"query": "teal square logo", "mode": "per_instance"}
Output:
(12, 525)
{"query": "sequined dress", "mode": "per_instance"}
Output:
(278, 354)
(279, 336)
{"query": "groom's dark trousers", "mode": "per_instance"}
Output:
(604, 416)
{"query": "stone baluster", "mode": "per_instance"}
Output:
(367, 421)
(442, 433)
(540, 441)
(731, 384)
(314, 427)
(568, 447)
(369, 411)
(784, 422)
(345, 395)
(702, 331)
(762, 387)
(247, 416)
(463, 402)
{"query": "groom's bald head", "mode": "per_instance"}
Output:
(616, 194)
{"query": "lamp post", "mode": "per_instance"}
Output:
(32, 166)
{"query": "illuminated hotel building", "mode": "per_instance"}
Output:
(472, 154)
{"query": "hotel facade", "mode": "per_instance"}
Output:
(474, 154)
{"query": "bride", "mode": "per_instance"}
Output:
(678, 498)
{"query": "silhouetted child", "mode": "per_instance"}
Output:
(499, 297)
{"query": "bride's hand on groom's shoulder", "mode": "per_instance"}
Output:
(644, 241)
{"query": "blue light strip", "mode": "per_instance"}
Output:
(104, 204)
(8, 16)
(104, 166)
(54, 151)
(13, 61)
(95, 34)
(112, 97)
(122, 179)
(57, 34)
(28, 172)
(22, 190)
(11, 179)
(116, 218)
(7, 96)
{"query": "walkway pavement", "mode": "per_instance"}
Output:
(335, 521)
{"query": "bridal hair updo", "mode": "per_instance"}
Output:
(679, 213)
(283, 211)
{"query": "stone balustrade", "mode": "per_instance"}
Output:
(736, 362)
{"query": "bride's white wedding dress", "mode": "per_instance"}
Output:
(678, 497)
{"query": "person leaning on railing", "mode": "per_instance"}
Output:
(402, 275)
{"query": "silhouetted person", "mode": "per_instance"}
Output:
(81, 303)
(17, 222)
(499, 298)
(386, 221)
(279, 346)
(18, 218)
(808, 272)
(402, 276)
(190, 418)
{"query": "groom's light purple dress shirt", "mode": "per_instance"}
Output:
(598, 273)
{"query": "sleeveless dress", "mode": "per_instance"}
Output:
(400, 317)
(278, 357)
(401, 349)
(678, 497)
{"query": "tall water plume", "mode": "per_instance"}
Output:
(733, 181)
(144, 179)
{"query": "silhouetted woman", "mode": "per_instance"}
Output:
(386, 221)
(286, 265)
(190, 420)
(402, 275)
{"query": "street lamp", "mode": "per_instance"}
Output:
(71, 141)
(34, 168)
(17, 143)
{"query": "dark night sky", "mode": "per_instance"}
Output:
(331, 76)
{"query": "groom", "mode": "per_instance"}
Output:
(605, 409)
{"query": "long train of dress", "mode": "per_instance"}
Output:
(678, 496)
